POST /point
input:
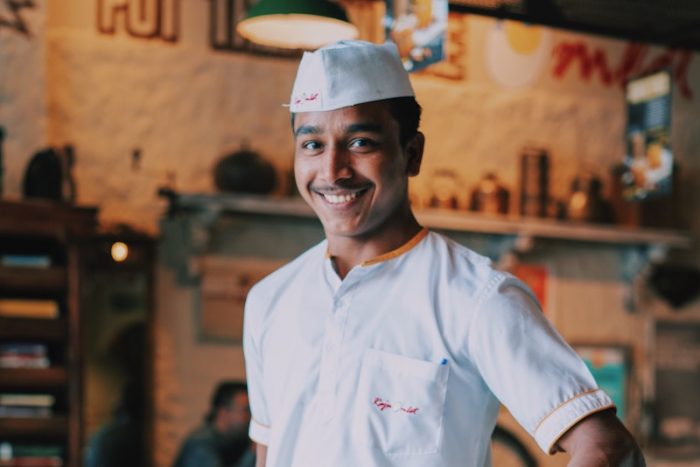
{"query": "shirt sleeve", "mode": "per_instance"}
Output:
(259, 430)
(528, 366)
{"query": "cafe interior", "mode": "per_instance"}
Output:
(146, 183)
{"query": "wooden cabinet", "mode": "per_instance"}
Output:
(40, 355)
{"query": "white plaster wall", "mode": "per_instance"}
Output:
(22, 95)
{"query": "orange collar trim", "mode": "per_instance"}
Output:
(393, 253)
(398, 251)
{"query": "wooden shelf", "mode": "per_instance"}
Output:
(45, 218)
(40, 281)
(32, 378)
(59, 231)
(50, 330)
(447, 220)
(28, 428)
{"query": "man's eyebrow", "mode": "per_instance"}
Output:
(307, 130)
(364, 127)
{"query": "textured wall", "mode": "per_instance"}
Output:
(22, 93)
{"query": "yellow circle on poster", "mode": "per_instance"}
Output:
(522, 38)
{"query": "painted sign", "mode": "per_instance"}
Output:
(636, 59)
(146, 19)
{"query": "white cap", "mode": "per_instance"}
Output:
(347, 73)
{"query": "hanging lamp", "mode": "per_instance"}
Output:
(296, 24)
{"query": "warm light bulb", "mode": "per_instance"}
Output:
(120, 251)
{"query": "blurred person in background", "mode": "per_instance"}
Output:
(222, 440)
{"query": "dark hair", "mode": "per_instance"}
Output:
(222, 395)
(406, 111)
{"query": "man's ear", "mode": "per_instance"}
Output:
(414, 149)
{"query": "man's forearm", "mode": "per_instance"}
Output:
(260, 455)
(601, 440)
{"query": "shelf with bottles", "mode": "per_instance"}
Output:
(210, 206)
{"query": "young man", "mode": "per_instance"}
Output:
(386, 344)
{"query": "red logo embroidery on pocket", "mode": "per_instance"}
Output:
(382, 405)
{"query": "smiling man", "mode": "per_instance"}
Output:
(387, 344)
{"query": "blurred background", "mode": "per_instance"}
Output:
(145, 185)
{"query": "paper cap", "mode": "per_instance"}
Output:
(347, 73)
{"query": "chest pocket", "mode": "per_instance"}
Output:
(399, 403)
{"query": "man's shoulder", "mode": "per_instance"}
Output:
(457, 255)
(199, 449)
(466, 272)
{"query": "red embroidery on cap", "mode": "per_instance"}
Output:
(300, 99)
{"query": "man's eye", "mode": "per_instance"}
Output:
(311, 145)
(362, 143)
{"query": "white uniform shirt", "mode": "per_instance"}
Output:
(404, 362)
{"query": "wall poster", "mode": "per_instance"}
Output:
(419, 29)
(609, 365)
(648, 161)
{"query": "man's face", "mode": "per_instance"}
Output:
(351, 169)
(237, 414)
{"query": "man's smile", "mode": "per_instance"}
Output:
(341, 197)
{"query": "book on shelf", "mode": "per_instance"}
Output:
(37, 455)
(32, 462)
(26, 400)
(29, 308)
(24, 355)
(26, 261)
(26, 405)
(25, 412)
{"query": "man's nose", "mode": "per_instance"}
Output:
(336, 164)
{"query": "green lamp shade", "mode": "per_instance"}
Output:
(296, 24)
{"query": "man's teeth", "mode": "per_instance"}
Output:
(337, 199)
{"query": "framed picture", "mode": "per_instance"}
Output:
(610, 366)
(648, 158)
(225, 283)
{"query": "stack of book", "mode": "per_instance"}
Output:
(12, 455)
(29, 308)
(25, 261)
(23, 355)
(26, 405)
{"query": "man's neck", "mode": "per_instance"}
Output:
(348, 252)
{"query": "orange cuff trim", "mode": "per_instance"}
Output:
(574, 422)
(581, 394)
(398, 251)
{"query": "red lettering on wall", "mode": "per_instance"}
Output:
(634, 61)
(146, 19)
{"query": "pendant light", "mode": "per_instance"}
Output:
(296, 24)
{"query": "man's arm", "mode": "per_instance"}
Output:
(260, 455)
(601, 440)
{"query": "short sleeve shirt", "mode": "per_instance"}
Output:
(405, 361)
